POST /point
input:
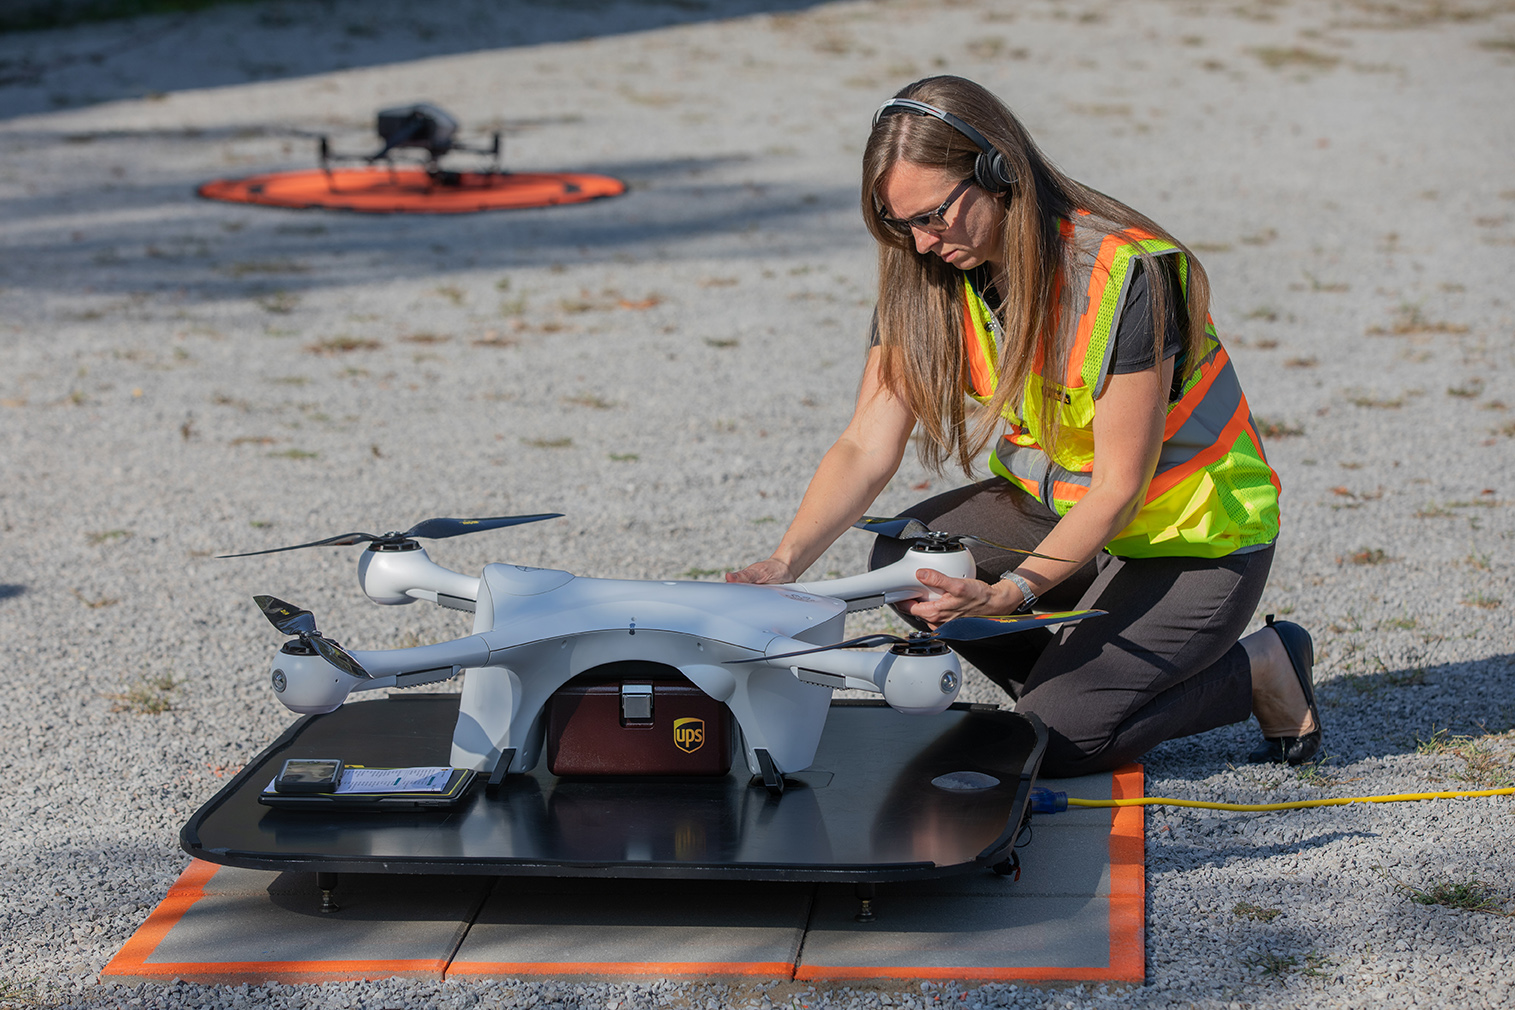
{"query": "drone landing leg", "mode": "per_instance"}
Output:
(864, 894)
(327, 882)
(773, 779)
(501, 769)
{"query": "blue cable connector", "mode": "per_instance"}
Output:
(1046, 801)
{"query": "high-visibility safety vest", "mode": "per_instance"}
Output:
(1213, 492)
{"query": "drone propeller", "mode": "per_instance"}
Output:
(909, 528)
(302, 623)
(431, 529)
(960, 629)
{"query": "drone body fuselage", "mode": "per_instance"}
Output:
(537, 629)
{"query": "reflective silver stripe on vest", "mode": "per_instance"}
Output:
(1198, 432)
(1035, 468)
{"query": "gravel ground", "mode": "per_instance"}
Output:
(183, 378)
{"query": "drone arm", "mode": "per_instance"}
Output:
(406, 663)
(895, 582)
(915, 685)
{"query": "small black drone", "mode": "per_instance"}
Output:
(423, 127)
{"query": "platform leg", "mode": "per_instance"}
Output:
(327, 882)
(865, 895)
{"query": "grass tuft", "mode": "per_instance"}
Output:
(343, 345)
(1411, 320)
(148, 695)
(589, 400)
(1284, 57)
(1281, 966)
(97, 602)
(16, 992)
(1369, 556)
(1471, 895)
(1484, 762)
(1278, 429)
(1247, 910)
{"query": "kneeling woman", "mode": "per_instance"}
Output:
(1125, 447)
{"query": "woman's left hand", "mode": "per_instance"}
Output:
(959, 598)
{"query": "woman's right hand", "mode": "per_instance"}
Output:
(771, 572)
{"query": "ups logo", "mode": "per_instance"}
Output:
(689, 734)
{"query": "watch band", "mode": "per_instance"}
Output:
(1027, 591)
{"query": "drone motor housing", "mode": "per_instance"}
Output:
(921, 681)
(395, 577)
(307, 684)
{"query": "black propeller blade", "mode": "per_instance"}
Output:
(961, 629)
(908, 528)
(286, 616)
(430, 529)
(291, 620)
(900, 528)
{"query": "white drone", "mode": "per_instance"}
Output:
(771, 654)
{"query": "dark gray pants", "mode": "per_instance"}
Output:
(1164, 663)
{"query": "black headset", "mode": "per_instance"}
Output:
(990, 169)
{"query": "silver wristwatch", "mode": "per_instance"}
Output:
(1026, 589)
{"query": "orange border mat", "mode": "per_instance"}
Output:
(1128, 897)
(1126, 930)
(132, 961)
(411, 191)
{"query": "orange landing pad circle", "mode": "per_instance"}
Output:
(412, 191)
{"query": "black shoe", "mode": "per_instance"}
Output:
(1294, 750)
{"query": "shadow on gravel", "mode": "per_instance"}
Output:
(1396, 711)
(1245, 849)
(42, 71)
(9, 590)
(162, 236)
(1367, 716)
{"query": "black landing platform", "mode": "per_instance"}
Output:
(866, 811)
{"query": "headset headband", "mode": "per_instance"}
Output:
(990, 170)
(922, 109)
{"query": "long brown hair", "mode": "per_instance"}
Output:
(920, 307)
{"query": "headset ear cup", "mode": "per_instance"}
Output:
(992, 173)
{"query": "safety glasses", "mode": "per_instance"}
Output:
(935, 221)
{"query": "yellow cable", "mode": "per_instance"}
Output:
(1154, 801)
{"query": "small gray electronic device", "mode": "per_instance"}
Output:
(309, 775)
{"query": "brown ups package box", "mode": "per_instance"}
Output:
(648, 727)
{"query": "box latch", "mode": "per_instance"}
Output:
(636, 704)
